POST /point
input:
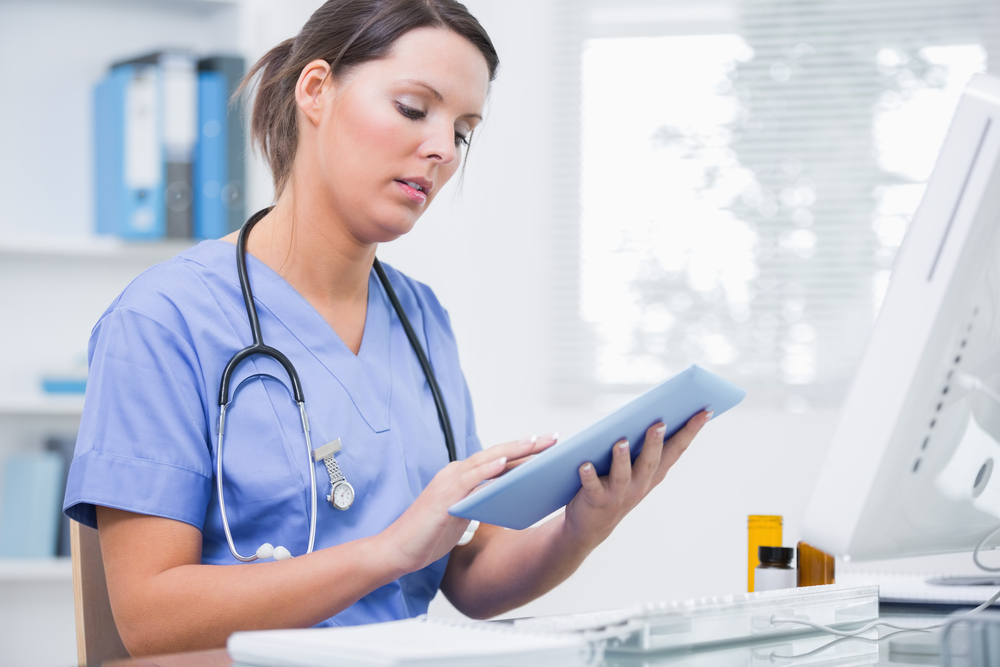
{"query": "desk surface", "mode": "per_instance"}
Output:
(818, 650)
(216, 658)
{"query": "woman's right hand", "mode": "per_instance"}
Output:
(426, 532)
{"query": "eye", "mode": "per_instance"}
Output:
(410, 112)
(461, 139)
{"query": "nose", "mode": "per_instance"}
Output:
(439, 145)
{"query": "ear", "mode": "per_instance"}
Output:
(314, 80)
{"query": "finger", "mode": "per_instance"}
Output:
(473, 476)
(592, 485)
(544, 442)
(510, 450)
(648, 461)
(621, 468)
(517, 462)
(541, 445)
(678, 444)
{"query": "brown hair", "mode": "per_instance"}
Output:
(345, 33)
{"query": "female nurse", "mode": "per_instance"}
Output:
(363, 118)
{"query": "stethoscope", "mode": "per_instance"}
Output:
(341, 493)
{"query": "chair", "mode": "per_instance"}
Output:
(97, 636)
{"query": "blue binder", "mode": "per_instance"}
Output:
(128, 164)
(109, 150)
(211, 215)
(32, 498)
(232, 68)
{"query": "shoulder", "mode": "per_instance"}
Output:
(171, 292)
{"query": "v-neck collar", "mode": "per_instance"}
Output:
(367, 376)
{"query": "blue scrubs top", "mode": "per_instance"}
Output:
(148, 437)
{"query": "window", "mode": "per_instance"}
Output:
(744, 185)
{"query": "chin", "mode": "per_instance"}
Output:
(385, 230)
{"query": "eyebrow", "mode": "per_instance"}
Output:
(438, 96)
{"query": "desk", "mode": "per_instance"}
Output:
(813, 650)
(214, 658)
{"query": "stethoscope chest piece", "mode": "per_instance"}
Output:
(341, 492)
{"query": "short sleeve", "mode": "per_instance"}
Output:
(143, 444)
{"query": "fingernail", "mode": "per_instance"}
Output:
(500, 462)
(709, 415)
(587, 468)
(623, 446)
(660, 431)
(530, 440)
(554, 437)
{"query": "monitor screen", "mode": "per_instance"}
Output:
(914, 466)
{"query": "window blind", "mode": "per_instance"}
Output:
(744, 175)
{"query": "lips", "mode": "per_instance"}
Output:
(416, 189)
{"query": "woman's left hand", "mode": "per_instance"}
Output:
(604, 501)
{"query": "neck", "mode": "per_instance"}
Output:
(317, 256)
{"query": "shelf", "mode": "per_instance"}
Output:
(16, 570)
(41, 405)
(193, 6)
(89, 247)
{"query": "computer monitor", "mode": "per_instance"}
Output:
(914, 466)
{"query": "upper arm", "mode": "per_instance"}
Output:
(136, 548)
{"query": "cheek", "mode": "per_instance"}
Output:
(364, 146)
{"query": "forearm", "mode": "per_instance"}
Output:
(194, 607)
(512, 567)
(164, 600)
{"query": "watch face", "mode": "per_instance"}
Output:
(342, 496)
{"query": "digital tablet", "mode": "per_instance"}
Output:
(530, 492)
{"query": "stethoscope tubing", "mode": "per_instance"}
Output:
(222, 496)
(449, 438)
(258, 347)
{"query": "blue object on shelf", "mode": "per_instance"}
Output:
(211, 165)
(109, 150)
(232, 68)
(32, 502)
(127, 150)
(64, 385)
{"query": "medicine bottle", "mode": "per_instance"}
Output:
(775, 569)
(762, 531)
(815, 567)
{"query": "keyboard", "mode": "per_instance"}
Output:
(716, 620)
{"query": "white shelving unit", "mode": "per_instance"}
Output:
(98, 248)
(41, 405)
(57, 277)
(39, 569)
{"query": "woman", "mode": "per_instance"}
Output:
(362, 118)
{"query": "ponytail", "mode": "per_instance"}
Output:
(273, 128)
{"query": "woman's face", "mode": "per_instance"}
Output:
(390, 133)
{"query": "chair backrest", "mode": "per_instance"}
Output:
(97, 636)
